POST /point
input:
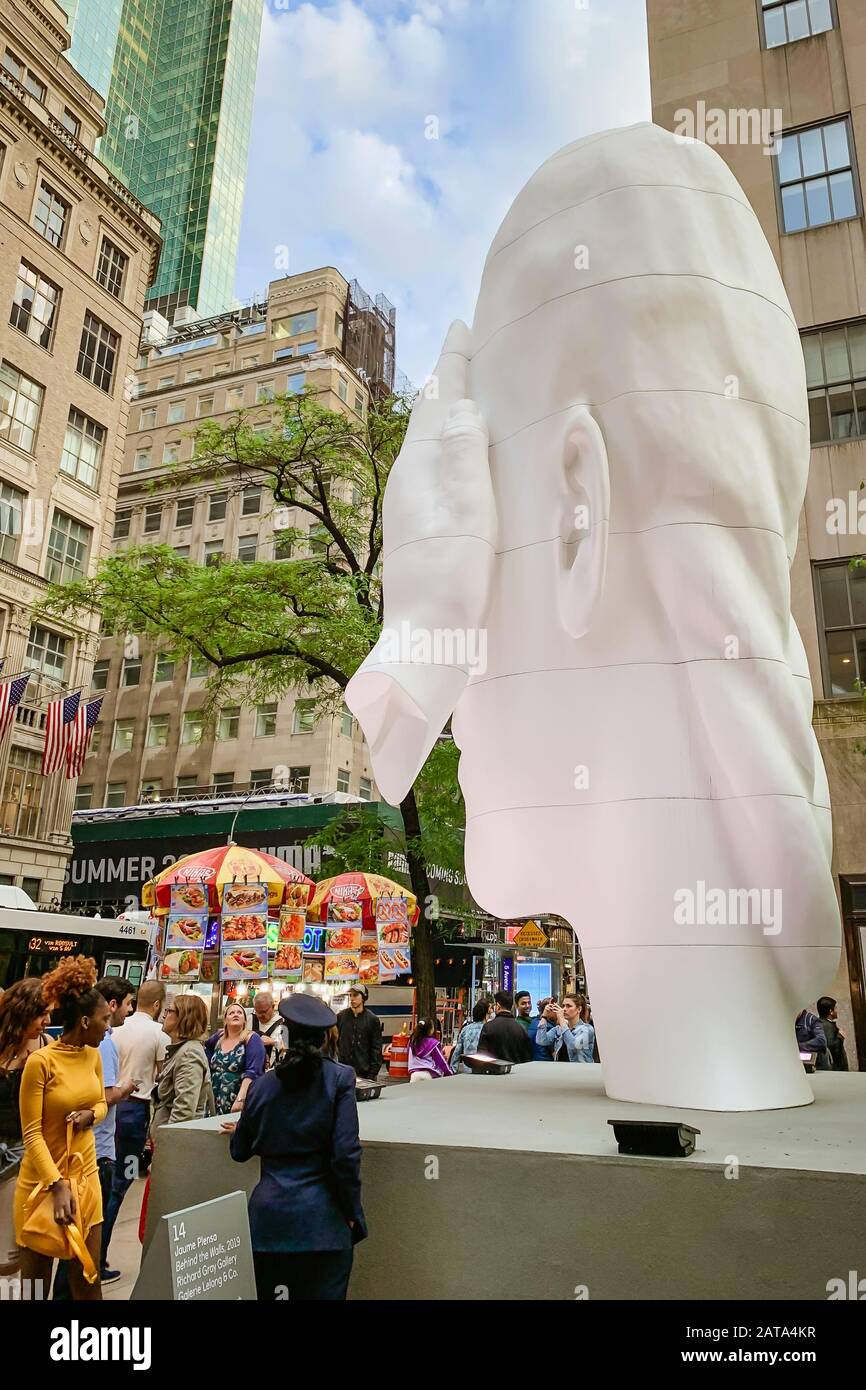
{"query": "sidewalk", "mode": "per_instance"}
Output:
(125, 1246)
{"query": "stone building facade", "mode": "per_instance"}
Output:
(77, 254)
(151, 745)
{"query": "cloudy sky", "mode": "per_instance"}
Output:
(343, 169)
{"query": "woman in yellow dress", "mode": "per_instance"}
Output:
(61, 1098)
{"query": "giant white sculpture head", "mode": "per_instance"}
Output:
(608, 489)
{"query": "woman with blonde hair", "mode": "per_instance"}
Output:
(183, 1091)
(58, 1201)
(237, 1056)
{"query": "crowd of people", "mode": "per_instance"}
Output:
(80, 1114)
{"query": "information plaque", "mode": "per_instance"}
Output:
(201, 1253)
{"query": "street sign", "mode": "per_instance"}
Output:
(531, 936)
(201, 1253)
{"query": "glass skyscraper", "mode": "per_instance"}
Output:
(179, 78)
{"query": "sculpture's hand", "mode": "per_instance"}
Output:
(439, 523)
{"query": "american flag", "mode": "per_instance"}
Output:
(60, 715)
(79, 736)
(10, 695)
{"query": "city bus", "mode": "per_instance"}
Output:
(31, 943)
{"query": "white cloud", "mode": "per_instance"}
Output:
(341, 171)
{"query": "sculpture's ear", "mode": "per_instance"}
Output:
(585, 522)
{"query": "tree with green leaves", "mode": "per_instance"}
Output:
(306, 620)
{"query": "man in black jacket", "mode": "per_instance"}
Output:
(503, 1036)
(360, 1041)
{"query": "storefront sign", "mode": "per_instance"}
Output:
(200, 1254)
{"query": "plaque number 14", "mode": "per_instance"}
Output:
(178, 1232)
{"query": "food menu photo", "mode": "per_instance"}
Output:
(177, 966)
(185, 931)
(187, 898)
(243, 962)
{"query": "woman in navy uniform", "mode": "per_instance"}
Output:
(301, 1121)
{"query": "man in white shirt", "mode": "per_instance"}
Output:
(269, 1026)
(141, 1047)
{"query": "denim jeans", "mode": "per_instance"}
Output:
(133, 1121)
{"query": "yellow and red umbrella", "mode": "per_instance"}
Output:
(359, 888)
(227, 864)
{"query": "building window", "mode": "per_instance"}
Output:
(111, 267)
(153, 518)
(251, 502)
(68, 546)
(266, 721)
(71, 122)
(248, 363)
(83, 798)
(22, 793)
(291, 326)
(318, 542)
(282, 353)
(304, 721)
(82, 448)
(192, 729)
(205, 405)
(283, 543)
(132, 671)
(229, 722)
(29, 81)
(97, 355)
(198, 668)
(299, 779)
(164, 668)
(115, 794)
(142, 461)
(217, 506)
(165, 382)
(261, 776)
(147, 418)
(264, 392)
(247, 548)
(816, 176)
(296, 383)
(20, 406)
(151, 790)
(342, 388)
(34, 305)
(171, 451)
(157, 731)
(359, 404)
(95, 740)
(122, 523)
(50, 215)
(305, 349)
(47, 652)
(11, 512)
(343, 779)
(347, 723)
(184, 511)
(99, 679)
(187, 786)
(192, 376)
(213, 553)
(176, 412)
(785, 21)
(223, 780)
(365, 789)
(836, 378)
(124, 733)
(235, 398)
(841, 594)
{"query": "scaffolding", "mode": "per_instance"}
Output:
(369, 339)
